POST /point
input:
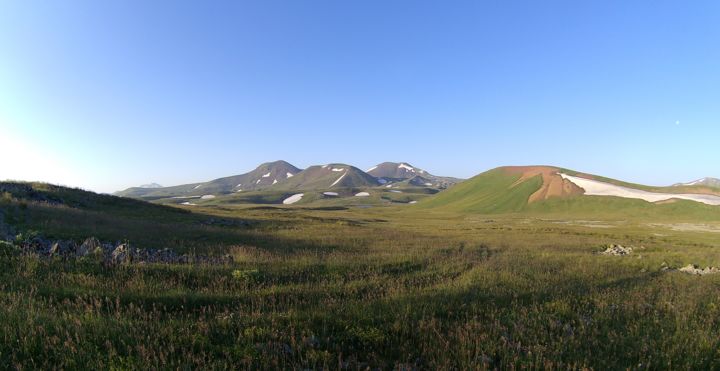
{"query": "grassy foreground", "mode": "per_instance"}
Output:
(352, 289)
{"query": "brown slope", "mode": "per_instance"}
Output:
(553, 184)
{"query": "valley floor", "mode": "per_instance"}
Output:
(380, 288)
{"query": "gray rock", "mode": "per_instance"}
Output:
(55, 249)
(89, 246)
(121, 254)
(693, 269)
(617, 250)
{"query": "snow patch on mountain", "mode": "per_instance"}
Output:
(293, 199)
(339, 179)
(597, 188)
(406, 167)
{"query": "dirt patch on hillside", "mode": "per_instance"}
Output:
(553, 184)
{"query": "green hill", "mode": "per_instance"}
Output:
(74, 214)
(537, 190)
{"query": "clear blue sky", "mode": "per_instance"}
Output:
(109, 94)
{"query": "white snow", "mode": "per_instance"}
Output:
(388, 186)
(412, 202)
(238, 191)
(337, 169)
(407, 167)
(330, 193)
(266, 175)
(274, 181)
(381, 181)
(695, 182)
(239, 185)
(198, 186)
(207, 197)
(395, 191)
(371, 169)
(338, 179)
(258, 182)
(428, 184)
(324, 166)
(289, 175)
(187, 203)
(179, 197)
(362, 194)
(597, 188)
(293, 199)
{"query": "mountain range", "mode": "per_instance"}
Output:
(283, 176)
(501, 190)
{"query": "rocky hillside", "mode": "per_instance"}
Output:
(704, 182)
(262, 177)
(330, 176)
(394, 172)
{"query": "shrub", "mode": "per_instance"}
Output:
(7, 249)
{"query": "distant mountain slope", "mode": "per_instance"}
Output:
(328, 176)
(706, 182)
(262, 177)
(402, 171)
(553, 189)
(150, 193)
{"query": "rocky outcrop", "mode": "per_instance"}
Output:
(617, 250)
(121, 254)
(113, 254)
(693, 269)
(90, 246)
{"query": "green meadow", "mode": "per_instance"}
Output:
(386, 287)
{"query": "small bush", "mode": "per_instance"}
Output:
(246, 275)
(7, 249)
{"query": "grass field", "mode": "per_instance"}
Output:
(396, 287)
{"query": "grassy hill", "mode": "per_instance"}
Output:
(74, 214)
(505, 190)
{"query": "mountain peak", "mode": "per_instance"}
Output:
(404, 171)
(150, 186)
(707, 182)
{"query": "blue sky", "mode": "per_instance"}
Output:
(110, 94)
